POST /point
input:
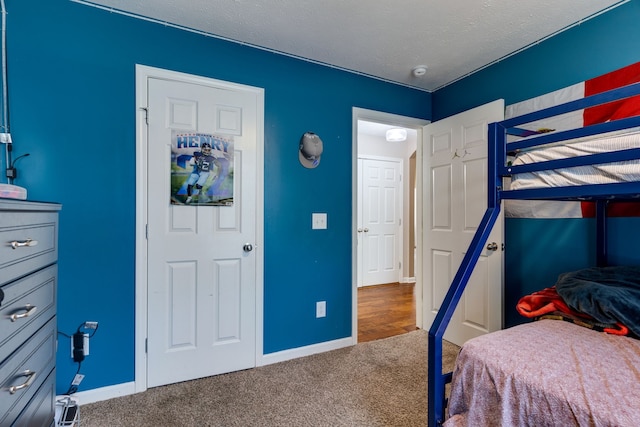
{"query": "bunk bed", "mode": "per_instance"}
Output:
(524, 375)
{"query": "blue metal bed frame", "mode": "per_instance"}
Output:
(497, 170)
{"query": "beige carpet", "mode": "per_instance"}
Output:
(378, 383)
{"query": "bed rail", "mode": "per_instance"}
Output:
(498, 168)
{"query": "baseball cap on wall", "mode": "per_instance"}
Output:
(310, 150)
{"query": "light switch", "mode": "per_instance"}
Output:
(319, 221)
(321, 309)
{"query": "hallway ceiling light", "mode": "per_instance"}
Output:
(396, 135)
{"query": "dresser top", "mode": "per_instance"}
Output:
(27, 205)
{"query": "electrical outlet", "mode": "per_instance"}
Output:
(85, 344)
(319, 221)
(321, 309)
(79, 346)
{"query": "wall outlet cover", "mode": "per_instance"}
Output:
(319, 221)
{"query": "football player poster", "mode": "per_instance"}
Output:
(201, 169)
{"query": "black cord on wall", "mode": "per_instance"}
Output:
(78, 350)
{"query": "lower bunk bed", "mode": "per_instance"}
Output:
(546, 373)
(549, 372)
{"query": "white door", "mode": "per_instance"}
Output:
(201, 277)
(380, 225)
(455, 199)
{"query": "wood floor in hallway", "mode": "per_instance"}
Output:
(385, 311)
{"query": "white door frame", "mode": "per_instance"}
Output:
(143, 73)
(396, 120)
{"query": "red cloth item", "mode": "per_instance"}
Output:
(613, 209)
(547, 301)
(628, 107)
(544, 302)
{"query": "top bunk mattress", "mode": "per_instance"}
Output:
(628, 171)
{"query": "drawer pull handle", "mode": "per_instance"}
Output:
(29, 310)
(29, 242)
(28, 373)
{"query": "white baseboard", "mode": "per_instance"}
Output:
(125, 389)
(294, 353)
(408, 280)
(105, 393)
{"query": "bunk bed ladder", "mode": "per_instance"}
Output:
(437, 380)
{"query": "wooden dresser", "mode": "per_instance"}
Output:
(28, 289)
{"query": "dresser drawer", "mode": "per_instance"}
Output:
(33, 361)
(41, 410)
(28, 242)
(28, 304)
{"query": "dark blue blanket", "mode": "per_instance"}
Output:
(608, 294)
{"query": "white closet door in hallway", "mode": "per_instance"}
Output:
(380, 220)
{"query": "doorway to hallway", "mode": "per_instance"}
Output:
(396, 249)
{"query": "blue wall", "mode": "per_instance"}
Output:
(538, 250)
(72, 82)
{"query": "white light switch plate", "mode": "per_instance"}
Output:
(319, 221)
(321, 309)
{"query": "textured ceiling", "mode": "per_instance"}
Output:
(383, 39)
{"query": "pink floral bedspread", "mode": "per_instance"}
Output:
(547, 373)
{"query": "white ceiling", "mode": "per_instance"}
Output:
(383, 39)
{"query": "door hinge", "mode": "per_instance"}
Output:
(146, 345)
(400, 222)
(146, 114)
(146, 231)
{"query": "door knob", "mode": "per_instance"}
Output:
(366, 230)
(247, 247)
(493, 246)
